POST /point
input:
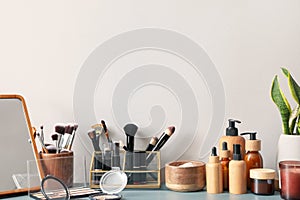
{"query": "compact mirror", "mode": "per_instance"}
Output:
(54, 188)
(15, 130)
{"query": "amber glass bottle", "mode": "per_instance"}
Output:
(224, 155)
(252, 158)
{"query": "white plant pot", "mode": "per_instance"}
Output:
(288, 149)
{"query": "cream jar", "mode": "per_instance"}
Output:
(262, 181)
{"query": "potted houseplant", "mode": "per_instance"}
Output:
(289, 140)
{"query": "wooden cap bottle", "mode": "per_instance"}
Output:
(237, 172)
(214, 177)
(252, 158)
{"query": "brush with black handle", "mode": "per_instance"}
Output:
(152, 143)
(161, 141)
(97, 153)
(95, 140)
(130, 131)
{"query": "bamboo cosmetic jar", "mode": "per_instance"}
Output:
(262, 181)
(185, 176)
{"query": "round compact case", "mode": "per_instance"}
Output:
(111, 184)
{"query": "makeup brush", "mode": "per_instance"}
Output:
(105, 131)
(42, 134)
(50, 148)
(72, 136)
(66, 138)
(122, 145)
(95, 141)
(60, 130)
(164, 138)
(54, 137)
(44, 149)
(100, 136)
(152, 143)
(130, 131)
(34, 136)
(161, 141)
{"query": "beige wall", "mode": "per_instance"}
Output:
(43, 45)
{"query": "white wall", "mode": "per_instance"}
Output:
(43, 45)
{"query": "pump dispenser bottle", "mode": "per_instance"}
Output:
(214, 180)
(224, 160)
(237, 172)
(232, 137)
(252, 158)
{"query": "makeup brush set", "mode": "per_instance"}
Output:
(142, 167)
(63, 137)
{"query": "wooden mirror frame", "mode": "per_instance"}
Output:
(34, 147)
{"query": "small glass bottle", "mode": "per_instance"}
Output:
(224, 159)
(252, 158)
(214, 181)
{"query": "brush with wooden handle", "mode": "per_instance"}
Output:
(105, 131)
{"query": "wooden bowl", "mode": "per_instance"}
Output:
(185, 178)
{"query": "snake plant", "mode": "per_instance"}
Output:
(290, 117)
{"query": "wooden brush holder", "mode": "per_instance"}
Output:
(59, 165)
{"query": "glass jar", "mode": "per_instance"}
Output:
(262, 181)
(290, 179)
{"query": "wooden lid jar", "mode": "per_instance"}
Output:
(185, 176)
(262, 181)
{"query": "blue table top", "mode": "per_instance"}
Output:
(149, 194)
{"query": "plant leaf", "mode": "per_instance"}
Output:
(294, 87)
(285, 71)
(293, 118)
(282, 104)
(298, 126)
